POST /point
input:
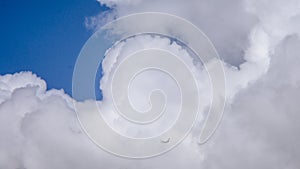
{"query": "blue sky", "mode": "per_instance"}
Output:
(44, 37)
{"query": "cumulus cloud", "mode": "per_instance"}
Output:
(258, 42)
(39, 129)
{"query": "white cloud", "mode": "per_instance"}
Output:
(258, 41)
(39, 129)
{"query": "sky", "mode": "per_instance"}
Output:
(44, 127)
(44, 37)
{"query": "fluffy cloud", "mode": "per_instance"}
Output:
(259, 44)
(39, 129)
(260, 130)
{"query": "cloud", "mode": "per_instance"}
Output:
(259, 130)
(259, 44)
(39, 129)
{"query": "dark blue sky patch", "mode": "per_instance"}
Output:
(44, 37)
